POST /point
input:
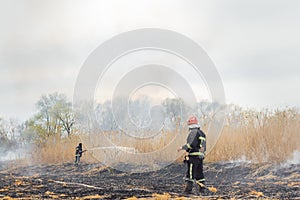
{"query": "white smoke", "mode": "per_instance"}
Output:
(15, 154)
(295, 158)
(241, 160)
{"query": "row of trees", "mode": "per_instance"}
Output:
(55, 116)
(107, 116)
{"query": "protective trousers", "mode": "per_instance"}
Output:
(194, 172)
(77, 159)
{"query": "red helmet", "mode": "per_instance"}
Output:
(192, 120)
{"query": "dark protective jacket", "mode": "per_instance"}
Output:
(78, 151)
(195, 140)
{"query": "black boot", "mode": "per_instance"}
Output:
(188, 188)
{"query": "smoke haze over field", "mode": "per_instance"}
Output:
(255, 45)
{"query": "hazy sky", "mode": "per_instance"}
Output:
(254, 44)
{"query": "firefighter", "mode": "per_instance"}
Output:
(78, 153)
(195, 148)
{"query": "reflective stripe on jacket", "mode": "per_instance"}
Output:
(195, 140)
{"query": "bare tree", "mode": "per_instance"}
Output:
(3, 133)
(62, 110)
(176, 110)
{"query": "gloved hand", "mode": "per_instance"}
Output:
(202, 156)
(186, 159)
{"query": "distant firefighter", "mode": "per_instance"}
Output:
(78, 153)
(195, 148)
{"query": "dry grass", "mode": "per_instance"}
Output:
(57, 150)
(260, 137)
(269, 136)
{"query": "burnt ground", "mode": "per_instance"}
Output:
(92, 181)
